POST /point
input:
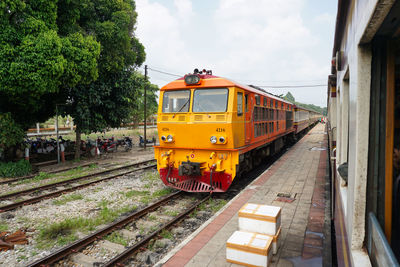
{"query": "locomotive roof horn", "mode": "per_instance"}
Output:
(204, 71)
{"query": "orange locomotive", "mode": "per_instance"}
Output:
(211, 129)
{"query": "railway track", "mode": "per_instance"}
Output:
(38, 189)
(121, 258)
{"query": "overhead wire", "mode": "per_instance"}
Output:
(164, 72)
(292, 86)
(264, 86)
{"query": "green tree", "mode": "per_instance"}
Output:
(289, 97)
(107, 101)
(137, 112)
(36, 62)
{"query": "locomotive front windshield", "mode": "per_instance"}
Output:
(210, 100)
(176, 101)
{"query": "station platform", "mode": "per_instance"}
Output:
(301, 172)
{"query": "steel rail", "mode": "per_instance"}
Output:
(79, 244)
(13, 206)
(124, 256)
(43, 187)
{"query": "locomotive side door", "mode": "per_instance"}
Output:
(248, 103)
(238, 119)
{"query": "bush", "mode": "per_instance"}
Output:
(14, 169)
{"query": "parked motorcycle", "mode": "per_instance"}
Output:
(148, 141)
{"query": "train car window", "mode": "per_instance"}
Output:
(265, 102)
(255, 113)
(210, 100)
(246, 105)
(266, 128)
(282, 105)
(258, 100)
(271, 103)
(176, 101)
(276, 104)
(277, 125)
(239, 104)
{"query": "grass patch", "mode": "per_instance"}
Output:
(166, 234)
(162, 192)
(15, 169)
(21, 258)
(152, 217)
(41, 176)
(77, 170)
(117, 238)
(67, 199)
(146, 199)
(134, 193)
(172, 213)
(93, 166)
(64, 232)
(3, 227)
(152, 176)
(216, 205)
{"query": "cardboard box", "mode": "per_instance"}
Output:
(276, 241)
(250, 249)
(261, 219)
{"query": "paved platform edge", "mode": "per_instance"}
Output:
(181, 258)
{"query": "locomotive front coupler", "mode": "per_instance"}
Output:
(188, 168)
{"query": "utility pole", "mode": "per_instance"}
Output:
(145, 103)
(58, 141)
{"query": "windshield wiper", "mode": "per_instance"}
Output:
(173, 116)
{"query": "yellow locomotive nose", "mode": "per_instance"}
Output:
(211, 129)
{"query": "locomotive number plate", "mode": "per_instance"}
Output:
(220, 130)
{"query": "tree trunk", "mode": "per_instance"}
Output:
(78, 143)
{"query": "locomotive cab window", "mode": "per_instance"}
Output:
(210, 100)
(239, 104)
(176, 101)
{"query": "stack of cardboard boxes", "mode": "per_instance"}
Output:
(258, 236)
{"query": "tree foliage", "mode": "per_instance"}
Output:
(79, 54)
(107, 101)
(137, 112)
(289, 97)
(36, 62)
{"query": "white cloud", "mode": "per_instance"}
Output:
(257, 40)
(184, 10)
(158, 30)
(324, 18)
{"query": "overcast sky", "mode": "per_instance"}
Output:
(260, 42)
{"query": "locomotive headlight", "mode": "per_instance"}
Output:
(163, 138)
(213, 139)
(170, 138)
(222, 140)
(192, 79)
